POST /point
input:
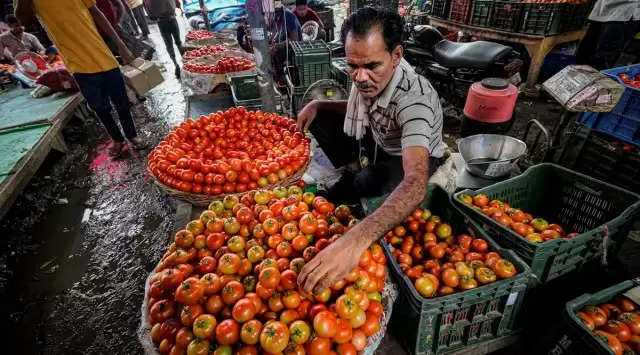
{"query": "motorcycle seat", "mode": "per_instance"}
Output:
(478, 54)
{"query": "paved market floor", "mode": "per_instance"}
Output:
(78, 244)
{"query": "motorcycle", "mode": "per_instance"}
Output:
(452, 67)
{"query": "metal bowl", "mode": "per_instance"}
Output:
(490, 156)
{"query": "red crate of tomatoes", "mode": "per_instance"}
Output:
(458, 288)
(228, 283)
(234, 151)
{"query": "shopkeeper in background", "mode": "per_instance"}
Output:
(73, 26)
(16, 40)
(612, 25)
(304, 13)
(394, 114)
(286, 27)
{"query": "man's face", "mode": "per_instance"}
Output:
(370, 64)
(301, 10)
(17, 29)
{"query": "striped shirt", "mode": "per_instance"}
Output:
(406, 114)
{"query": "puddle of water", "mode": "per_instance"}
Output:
(60, 261)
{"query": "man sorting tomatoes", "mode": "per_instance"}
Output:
(402, 146)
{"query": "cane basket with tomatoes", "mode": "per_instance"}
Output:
(229, 152)
(441, 323)
(606, 322)
(577, 202)
(228, 282)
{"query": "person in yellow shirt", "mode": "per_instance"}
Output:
(73, 26)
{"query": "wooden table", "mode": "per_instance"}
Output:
(26, 167)
(538, 46)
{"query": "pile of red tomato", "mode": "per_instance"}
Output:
(617, 323)
(228, 283)
(223, 65)
(535, 230)
(228, 152)
(198, 34)
(633, 82)
(440, 264)
(204, 51)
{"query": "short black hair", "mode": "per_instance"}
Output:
(301, 2)
(11, 19)
(360, 23)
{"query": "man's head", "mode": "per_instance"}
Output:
(301, 7)
(15, 25)
(373, 44)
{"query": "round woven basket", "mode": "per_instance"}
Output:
(204, 200)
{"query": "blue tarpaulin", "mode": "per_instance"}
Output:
(222, 13)
(193, 6)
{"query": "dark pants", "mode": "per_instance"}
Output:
(98, 89)
(604, 42)
(381, 176)
(170, 33)
(138, 13)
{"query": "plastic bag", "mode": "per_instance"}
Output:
(58, 78)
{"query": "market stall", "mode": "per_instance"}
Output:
(30, 129)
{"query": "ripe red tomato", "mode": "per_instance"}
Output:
(227, 332)
(190, 291)
(274, 337)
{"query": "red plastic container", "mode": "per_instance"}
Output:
(491, 100)
(460, 11)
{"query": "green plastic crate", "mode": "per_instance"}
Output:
(577, 202)
(310, 73)
(309, 52)
(339, 73)
(251, 104)
(553, 18)
(443, 324)
(579, 339)
(246, 85)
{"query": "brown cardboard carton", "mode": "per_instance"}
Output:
(142, 75)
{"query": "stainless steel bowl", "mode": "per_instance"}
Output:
(490, 156)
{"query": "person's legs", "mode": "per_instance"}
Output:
(164, 26)
(93, 88)
(588, 44)
(175, 32)
(138, 13)
(116, 91)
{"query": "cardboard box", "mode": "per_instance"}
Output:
(142, 75)
(581, 88)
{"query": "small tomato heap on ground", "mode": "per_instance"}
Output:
(535, 230)
(440, 264)
(228, 282)
(228, 152)
(617, 323)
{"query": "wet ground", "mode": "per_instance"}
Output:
(78, 244)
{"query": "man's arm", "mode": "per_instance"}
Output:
(36, 46)
(105, 27)
(310, 111)
(334, 262)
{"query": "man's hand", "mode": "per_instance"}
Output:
(307, 115)
(333, 263)
(125, 54)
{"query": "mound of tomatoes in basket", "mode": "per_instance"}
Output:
(535, 230)
(229, 152)
(439, 263)
(228, 283)
(198, 34)
(223, 65)
(204, 51)
(617, 323)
